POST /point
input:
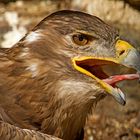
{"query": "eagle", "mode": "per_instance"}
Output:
(53, 77)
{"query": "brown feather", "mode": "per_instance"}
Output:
(10, 132)
(39, 88)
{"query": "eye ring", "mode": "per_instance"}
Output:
(80, 39)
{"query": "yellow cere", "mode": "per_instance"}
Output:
(122, 49)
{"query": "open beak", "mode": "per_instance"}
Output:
(126, 55)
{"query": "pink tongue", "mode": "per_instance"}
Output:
(112, 80)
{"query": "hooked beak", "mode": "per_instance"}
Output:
(126, 55)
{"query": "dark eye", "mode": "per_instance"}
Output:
(80, 39)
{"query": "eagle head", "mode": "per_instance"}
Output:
(58, 70)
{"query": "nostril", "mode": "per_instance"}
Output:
(122, 52)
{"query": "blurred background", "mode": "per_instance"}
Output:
(110, 121)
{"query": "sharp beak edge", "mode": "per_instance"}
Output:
(126, 55)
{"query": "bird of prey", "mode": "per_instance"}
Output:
(51, 79)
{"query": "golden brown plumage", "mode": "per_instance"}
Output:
(10, 132)
(47, 86)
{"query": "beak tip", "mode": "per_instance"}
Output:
(119, 96)
(123, 103)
